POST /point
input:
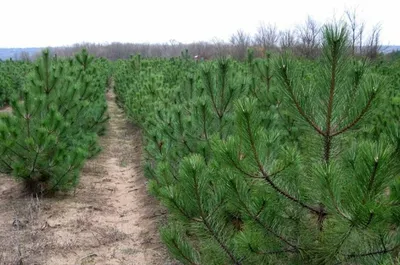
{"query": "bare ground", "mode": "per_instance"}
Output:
(109, 219)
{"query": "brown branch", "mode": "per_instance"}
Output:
(280, 170)
(372, 253)
(274, 252)
(344, 238)
(327, 136)
(181, 210)
(241, 170)
(258, 221)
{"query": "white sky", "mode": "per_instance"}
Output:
(39, 23)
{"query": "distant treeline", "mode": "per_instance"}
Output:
(199, 50)
(304, 40)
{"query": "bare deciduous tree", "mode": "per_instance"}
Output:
(373, 46)
(360, 37)
(287, 39)
(24, 56)
(309, 38)
(356, 30)
(202, 49)
(267, 36)
(221, 48)
(240, 41)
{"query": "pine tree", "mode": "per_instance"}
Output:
(292, 176)
(53, 129)
(333, 191)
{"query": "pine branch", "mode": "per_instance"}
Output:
(332, 197)
(264, 204)
(371, 215)
(273, 252)
(208, 225)
(220, 243)
(17, 154)
(217, 207)
(5, 162)
(34, 164)
(372, 253)
(27, 118)
(358, 118)
(224, 69)
(203, 112)
(289, 88)
(371, 179)
(70, 168)
(344, 238)
(187, 146)
(175, 244)
(268, 178)
(225, 107)
(209, 88)
(354, 89)
(242, 170)
(258, 221)
(287, 127)
(327, 135)
(280, 170)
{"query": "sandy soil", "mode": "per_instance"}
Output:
(109, 219)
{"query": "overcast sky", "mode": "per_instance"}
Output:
(39, 23)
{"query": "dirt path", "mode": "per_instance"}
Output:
(110, 220)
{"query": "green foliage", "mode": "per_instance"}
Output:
(274, 161)
(12, 77)
(53, 127)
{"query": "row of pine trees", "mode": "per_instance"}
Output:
(12, 78)
(278, 160)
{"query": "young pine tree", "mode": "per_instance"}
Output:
(53, 128)
(331, 199)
